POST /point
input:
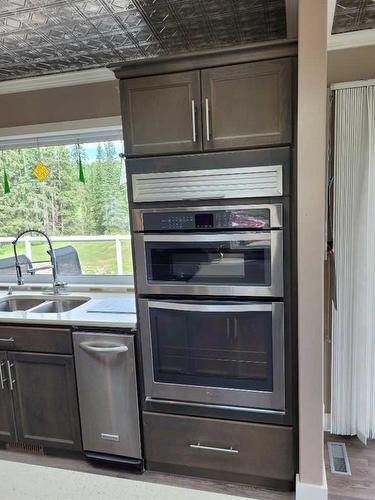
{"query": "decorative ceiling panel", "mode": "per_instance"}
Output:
(39, 37)
(353, 15)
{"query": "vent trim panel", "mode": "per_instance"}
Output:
(244, 182)
(25, 448)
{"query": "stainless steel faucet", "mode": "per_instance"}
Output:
(57, 285)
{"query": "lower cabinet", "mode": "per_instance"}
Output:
(38, 400)
(220, 449)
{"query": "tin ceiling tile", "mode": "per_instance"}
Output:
(40, 37)
(353, 15)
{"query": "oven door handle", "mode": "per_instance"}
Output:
(261, 236)
(184, 306)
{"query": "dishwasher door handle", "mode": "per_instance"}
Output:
(87, 346)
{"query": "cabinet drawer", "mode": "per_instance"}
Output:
(37, 339)
(220, 449)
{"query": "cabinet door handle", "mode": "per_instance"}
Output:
(193, 120)
(11, 339)
(11, 379)
(2, 378)
(212, 448)
(207, 119)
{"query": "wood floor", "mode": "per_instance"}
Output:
(78, 464)
(361, 484)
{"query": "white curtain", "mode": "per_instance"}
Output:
(353, 322)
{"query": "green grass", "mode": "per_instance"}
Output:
(97, 257)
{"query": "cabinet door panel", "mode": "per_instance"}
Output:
(247, 105)
(158, 114)
(7, 423)
(45, 400)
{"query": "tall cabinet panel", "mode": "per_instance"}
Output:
(7, 423)
(162, 114)
(247, 105)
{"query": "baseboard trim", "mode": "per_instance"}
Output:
(305, 491)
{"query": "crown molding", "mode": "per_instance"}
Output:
(69, 132)
(352, 39)
(82, 77)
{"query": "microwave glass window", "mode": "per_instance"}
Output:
(232, 263)
(213, 349)
(212, 266)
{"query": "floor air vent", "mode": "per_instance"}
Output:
(338, 459)
(26, 448)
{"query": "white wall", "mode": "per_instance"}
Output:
(347, 65)
(312, 83)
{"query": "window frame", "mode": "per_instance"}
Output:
(66, 133)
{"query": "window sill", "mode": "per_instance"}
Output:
(90, 287)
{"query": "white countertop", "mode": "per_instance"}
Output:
(76, 317)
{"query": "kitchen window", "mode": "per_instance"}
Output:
(88, 222)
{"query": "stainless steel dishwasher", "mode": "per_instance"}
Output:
(108, 400)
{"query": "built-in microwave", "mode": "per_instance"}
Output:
(215, 251)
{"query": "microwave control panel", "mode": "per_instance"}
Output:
(254, 218)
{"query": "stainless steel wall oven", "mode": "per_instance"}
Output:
(220, 353)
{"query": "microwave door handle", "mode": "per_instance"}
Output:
(260, 237)
(210, 307)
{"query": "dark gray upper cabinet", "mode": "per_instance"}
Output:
(45, 399)
(7, 422)
(229, 107)
(162, 114)
(247, 105)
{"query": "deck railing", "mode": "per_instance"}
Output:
(117, 240)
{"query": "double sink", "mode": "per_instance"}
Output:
(41, 305)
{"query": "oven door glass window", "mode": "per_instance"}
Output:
(214, 349)
(221, 263)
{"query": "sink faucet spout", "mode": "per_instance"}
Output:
(56, 284)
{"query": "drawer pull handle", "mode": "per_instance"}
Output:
(11, 339)
(212, 448)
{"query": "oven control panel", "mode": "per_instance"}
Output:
(234, 218)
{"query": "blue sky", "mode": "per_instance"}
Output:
(90, 148)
